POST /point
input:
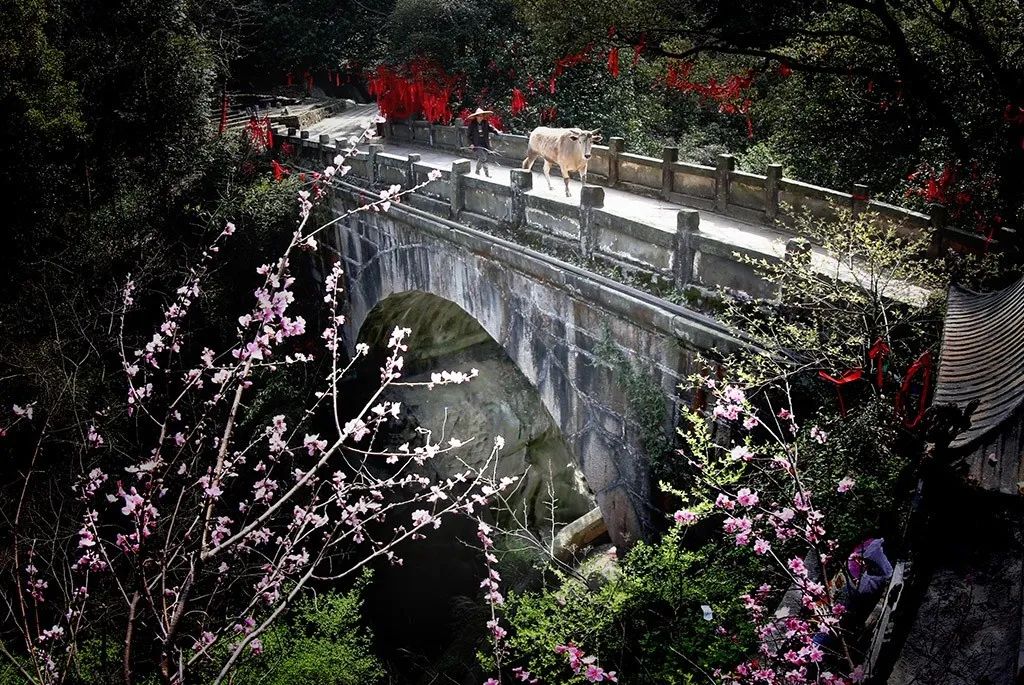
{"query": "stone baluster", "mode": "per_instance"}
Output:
(669, 156)
(591, 198)
(771, 192)
(723, 175)
(371, 162)
(522, 183)
(615, 147)
(410, 169)
(460, 168)
(684, 247)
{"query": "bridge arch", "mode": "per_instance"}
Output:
(499, 401)
(552, 320)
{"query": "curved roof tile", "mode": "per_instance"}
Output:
(983, 356)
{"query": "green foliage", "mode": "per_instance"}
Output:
(646, 622)
(863, 281)
(322, 640)
(868, 447)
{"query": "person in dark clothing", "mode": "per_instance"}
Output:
(480, 138)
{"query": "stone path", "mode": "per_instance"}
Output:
(654, 212)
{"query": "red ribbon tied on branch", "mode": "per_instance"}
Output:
(923, 366)
(877, 354)
(848, 377)
(613, 62)
(518, 102)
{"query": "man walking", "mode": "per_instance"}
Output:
(480, 138)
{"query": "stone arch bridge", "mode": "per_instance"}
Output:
(533, 268)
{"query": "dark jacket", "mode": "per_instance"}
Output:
(480, 133)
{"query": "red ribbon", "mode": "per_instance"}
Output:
(848, 377)
(922, 365)
(878, 352)
(279, 171)
(613, 62)
(518, 102)
(270, 133)
(638, 49)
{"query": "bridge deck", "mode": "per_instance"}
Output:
(654, 212)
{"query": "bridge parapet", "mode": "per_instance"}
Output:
(661, 257)
(767, 198)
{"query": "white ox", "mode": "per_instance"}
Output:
(569, 148)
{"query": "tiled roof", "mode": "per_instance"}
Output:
(983, 356)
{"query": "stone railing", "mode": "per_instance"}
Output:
(672, 258)
(667, 258)
(769, 198)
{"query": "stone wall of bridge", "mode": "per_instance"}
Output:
(554, 321)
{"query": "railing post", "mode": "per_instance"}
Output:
(292, 132)
(669, 156)
(325, 154)
(938, 220)
(522, 182)
(687, 226)
(591, 198)
(460, 168)
(460, 136)
(723, 173)
(433, 135)
(371, 162)
(389, 130)
(615, 147)
(861, 196)
(771, 192)
(410, 169)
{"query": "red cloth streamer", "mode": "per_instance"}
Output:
(270, 133)
(613, 62)
(421, 88)
(638, 49)
(848, 377)
(785, 71)
(337, 79)
(223, 114)
(518, 102)
(288, 79)
(922, 365)
(279, 171)
(877, 354)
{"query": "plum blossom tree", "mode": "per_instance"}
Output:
(758, 490)
(203, 533)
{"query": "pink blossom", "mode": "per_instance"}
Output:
(724, 502)
(684, 517)
(819, 435)
(746, 497)
(761, 546)
(784, 414)
(132, 501)
(796, 565)
(846, 484)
